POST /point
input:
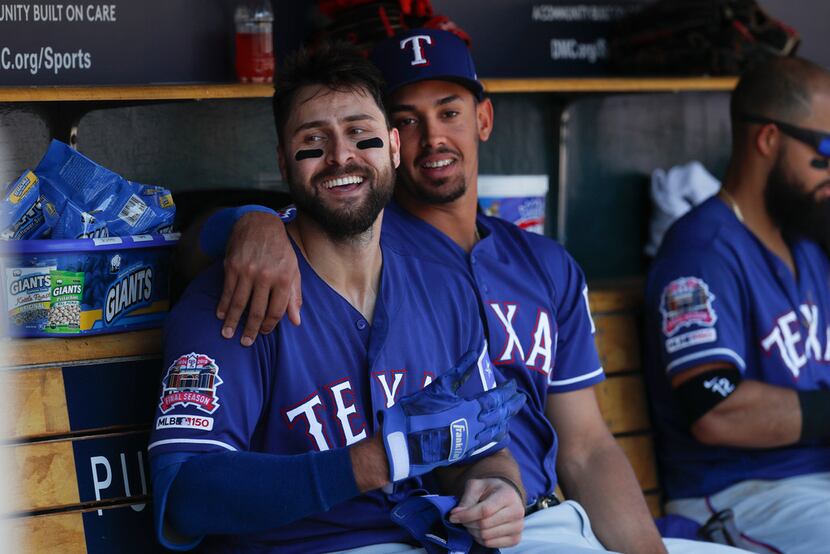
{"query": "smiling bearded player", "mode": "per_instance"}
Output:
(293, 429)
(739, 324)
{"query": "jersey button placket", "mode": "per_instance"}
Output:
(477, 273)
(361, 324)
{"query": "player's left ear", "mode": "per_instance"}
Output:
(768, 141)
(395, 146)
(484, 119)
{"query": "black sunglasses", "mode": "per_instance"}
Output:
(817, 139)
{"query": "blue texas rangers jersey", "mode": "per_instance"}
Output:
(716, 294)
(314, 387)
(534, 301)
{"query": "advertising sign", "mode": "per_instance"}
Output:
(531, 38)
(95, 42)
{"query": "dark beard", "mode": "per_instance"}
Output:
(349, 222)
(430, 195)
(443, 193)
(795, 211)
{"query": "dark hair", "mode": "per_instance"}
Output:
(781, 88)
(337, 66)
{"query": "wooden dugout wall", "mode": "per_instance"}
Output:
(622, 396)
(77, 424)
(75, 429)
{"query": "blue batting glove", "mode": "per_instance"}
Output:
(435, 427)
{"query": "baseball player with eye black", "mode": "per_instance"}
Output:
(373, 390)
(738, 320)
(531, 294)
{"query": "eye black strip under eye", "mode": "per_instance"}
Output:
(370, 143)
(304, 154)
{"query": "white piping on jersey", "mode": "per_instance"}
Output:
(712, 351)
(585, 377)
(191, 441)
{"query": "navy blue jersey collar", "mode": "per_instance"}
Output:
(487, 244)
(383, 304)
(484, 246)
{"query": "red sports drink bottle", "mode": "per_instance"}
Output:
(254, 42)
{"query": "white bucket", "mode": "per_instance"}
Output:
(519, 199)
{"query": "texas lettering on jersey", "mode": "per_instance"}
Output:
(349, 419)
(538, 350)
(192, 380)
(337, 399)
(542, 340)
(794, 347)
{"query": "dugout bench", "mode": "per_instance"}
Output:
(78, 411)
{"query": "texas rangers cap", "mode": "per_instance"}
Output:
(422, 54)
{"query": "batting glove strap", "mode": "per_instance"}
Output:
(395, 443)
(416, 444)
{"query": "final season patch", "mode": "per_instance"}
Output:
(191, 381)
(691, 338)
(686, 301)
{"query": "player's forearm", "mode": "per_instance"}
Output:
(190, 260)
(215, 232)
(756, 415)
(249, 492)
(594, 471)
(369, 463)
(453, 479)
(605, 485)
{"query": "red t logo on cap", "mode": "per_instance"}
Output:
(417, 48)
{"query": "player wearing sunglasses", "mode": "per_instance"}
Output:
(738, 315)
(816, 139)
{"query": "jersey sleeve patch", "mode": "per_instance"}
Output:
(191, 380)
(691, 338)
(687, 302)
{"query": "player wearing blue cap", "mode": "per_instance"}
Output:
(531, 294)
(247, 440)
(739, 324)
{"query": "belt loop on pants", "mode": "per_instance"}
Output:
(541, 503)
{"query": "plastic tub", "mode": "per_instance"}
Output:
(519, 199)
(86, 286)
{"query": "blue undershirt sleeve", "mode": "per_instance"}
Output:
(163, 470)
(250, 492)
(213, 238)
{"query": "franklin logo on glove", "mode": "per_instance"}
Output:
(459, 439)
(437, 427)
